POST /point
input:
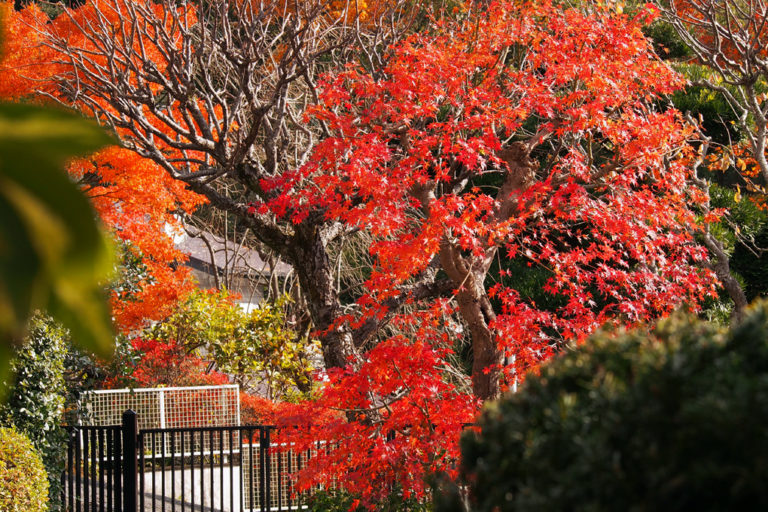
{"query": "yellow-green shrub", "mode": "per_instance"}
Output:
(23, 480)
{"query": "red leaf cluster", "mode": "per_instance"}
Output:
(526, 132)
(159, 364)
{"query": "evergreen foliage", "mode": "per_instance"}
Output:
(672, 420)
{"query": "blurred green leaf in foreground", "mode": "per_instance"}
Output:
(53, 255)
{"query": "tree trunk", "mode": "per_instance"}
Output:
(487, 358)
(313, 267)
(720, 265)
(476, 311)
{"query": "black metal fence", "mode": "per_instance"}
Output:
(97, 473)
(222, 469)
(94, 477)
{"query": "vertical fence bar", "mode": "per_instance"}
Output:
(79, 464)
(162, 471)
(86, 489)
(192, 468)
(100, 441)
(161, 407)
(183, 488)
(91, 473)
(268, 467)
(153, 440)
(117, 469)
(71, 469)
(211, 463)
(262, 469)
(173, 472)
(231, 471)
(202, 473)
(143, 468)
(251, 465)
(92, 465)
(130, 473)
(221, 470)
(110, 467)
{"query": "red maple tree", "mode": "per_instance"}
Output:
(528, 133)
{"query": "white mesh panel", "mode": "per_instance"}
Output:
(173, 407)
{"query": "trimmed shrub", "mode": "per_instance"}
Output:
(674, 420)
(23, 479)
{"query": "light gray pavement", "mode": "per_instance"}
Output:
(186, 487)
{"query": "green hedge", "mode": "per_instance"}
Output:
(677, 420)
(23, 480)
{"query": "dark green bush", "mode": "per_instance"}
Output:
(677, 420)
(340, 501)
(666, 43)
(23, 480)
(331, 501)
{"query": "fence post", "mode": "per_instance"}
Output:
(130, 454)
(267, 443)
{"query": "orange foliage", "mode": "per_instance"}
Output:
(366, 10)
(25, 62)
(133, 196)
(349, 11)
(137, 199)
(741, 157)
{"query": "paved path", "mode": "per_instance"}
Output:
(224, 496)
